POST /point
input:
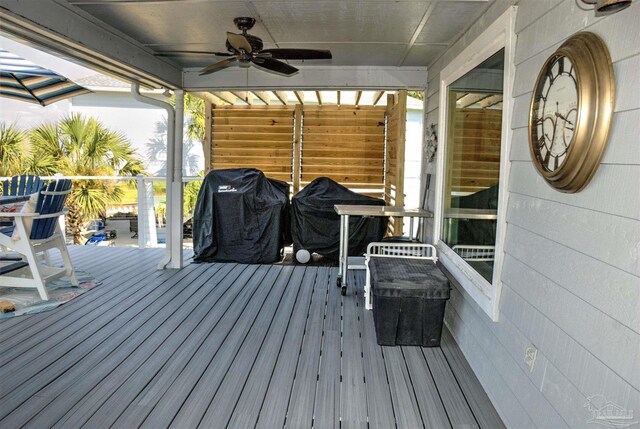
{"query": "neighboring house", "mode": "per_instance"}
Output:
(144, 125)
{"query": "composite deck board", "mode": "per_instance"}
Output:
(247, 406)
(99, 271)
(273, 412)
(131, 327)
(301, 403)
(233, 324)
(487, 417)
(458, 411)
(405, 405)
(64, 349)
(219, 385)
(431, 407)
(71, 317)
(224, 345)
(104, 383)
(219, 411)
(196, 346)
(126, 352)
(353, 406)
(326, 412)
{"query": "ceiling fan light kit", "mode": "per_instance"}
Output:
(246, 50)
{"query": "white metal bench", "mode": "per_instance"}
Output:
(471, 252)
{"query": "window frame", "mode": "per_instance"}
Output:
(500, 34)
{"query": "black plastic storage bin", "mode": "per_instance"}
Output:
(409, 297)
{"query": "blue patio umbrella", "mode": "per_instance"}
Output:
(23, 80)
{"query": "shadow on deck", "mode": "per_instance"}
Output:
(224, 345)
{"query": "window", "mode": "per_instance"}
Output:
(472, 167)
(475, 101)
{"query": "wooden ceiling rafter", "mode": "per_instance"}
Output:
(491, 101)
(300, 96)
(319, 97)
(263, 96)
(376, 97)
(358, 95)
(471, 99)
(281, 96)
(245, 96)
(226, 96)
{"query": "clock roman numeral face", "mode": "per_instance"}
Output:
(555, 113)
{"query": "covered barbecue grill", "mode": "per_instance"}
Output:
(241, 216)
(315, 226)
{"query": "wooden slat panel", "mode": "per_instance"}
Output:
(258, 137)
(343, 178)
(278, 137)
(346, 121)
(474, 163)
(344, 143)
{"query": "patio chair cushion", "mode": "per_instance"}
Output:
(29, 206)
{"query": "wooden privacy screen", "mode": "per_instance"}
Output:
(394, 169)
(254, 137)
(298, 144)
(475, 161)
(346, 144)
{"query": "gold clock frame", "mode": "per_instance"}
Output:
(596, 92)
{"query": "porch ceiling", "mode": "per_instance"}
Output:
(371, 33)
(400, 35)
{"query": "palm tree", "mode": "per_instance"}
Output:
(80, 146)
(12, 149)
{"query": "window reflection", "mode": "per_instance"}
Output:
(474, 132)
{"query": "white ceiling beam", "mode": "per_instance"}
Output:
(74, 34)
(376, 97)
(282, 96)
(264, 96)
(310, 78)
(299, 96)
(319, 97)
(470, 99)
(417, 31)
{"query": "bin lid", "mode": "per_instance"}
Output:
(402, 277)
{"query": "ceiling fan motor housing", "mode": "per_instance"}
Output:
(244, 23)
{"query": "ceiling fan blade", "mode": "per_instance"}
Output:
(274, 65)
(217, 66)
(180, 53)
(238, 41)
(297, 54)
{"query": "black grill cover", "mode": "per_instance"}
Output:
(241, 216)
(315, 226)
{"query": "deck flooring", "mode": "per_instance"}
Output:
(224, 345)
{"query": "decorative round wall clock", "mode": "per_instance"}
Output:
(571, 111)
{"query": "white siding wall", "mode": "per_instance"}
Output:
(572, 266)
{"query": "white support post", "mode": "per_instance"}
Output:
(171, 150)
(142, 217)
(174, 224)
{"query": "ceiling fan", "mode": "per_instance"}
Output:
(246, 49)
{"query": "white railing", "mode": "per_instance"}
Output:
(147, 233)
